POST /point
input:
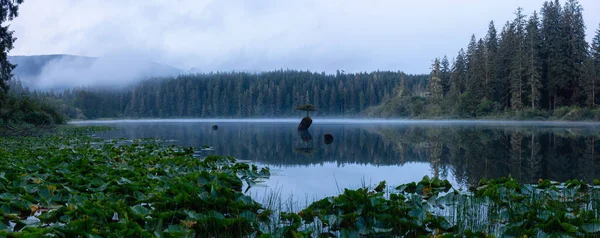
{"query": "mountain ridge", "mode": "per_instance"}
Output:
(60, 71)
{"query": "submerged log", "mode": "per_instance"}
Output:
(305, 124)
(328, 138)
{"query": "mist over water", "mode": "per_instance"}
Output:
(327, 121)
(365, 152)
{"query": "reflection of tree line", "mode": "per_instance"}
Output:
(278, 144)
(526, 154)
(470, 153)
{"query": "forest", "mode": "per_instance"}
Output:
(537, 67)
(236, 94)
(535, 64)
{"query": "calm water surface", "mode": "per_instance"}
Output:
(368, 151)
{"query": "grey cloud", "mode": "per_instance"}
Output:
(264, 35)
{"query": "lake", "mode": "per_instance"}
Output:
(365, 152)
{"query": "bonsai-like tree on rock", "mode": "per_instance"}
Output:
(306, 107)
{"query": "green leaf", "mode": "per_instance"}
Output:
(140, 210)
(124, 181)
(101, 188)
(44, 192)
(7, 197)
(568, 227)
(591, 227)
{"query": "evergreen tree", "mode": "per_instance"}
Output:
(479, 73)
(435, 83)
(458, 76)
(592, 71)
(593, 67)
(533, 43)
(505, 56)
(470, 60)
(9, 10)
(193, 104)
(445, 75)
(491, 62)
(590, 82)
(595, 47)
(517, 67)
(575, 52)
(552, 59)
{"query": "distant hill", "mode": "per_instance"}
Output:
(61, 71)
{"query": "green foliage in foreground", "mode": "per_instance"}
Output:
(70, 184)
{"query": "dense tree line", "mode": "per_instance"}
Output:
(239, 94)
(540, 62)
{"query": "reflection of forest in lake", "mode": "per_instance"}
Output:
(466, 152)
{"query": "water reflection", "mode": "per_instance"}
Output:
(464, 153)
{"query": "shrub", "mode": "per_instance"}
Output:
(25, 110)
(485, 107)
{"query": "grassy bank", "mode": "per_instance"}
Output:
(70, 184)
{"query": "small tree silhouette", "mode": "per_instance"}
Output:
(306, 107)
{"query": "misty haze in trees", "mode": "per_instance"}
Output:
(536, 66)
(267, 94)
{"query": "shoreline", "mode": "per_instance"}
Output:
(337, 121)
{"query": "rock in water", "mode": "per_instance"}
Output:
(328, 138)
(305, 124)
(215, 127)
(305, 135)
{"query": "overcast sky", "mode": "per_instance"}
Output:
(320, 35)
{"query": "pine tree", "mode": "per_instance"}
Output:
(590, 82)
(506, 52)
(491, 59)
(458, 76)
(216, 99)
(470, 60)
(10, 10)
(575, 53)
(593, 71)
(278, 101)
(518, 61)
(534, 65)
(552, 59)
(445, 70)
(596, 47)
(479, 79)
(435, 83)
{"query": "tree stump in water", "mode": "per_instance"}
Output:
(305, 124)
(328, 138)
